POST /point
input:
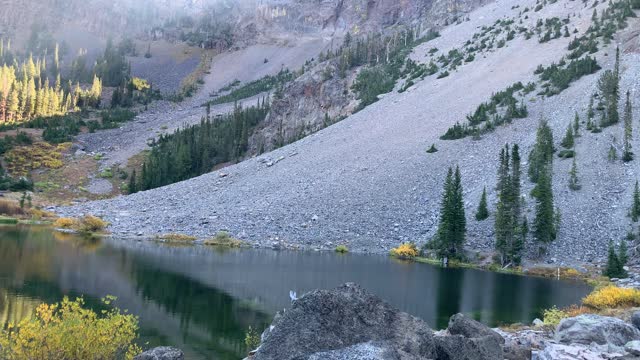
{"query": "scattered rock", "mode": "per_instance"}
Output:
(601, 330)
(633, 347)
(161, 353)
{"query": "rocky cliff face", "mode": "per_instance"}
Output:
(320, 97)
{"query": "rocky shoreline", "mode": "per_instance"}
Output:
(350, 323)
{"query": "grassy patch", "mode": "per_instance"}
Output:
(223, 238)
(174, 237)
(342, 249)
(4, 220)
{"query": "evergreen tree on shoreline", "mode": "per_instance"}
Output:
(509, 239)
(545, 221)
(450, 237)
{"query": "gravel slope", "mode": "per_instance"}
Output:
(368, 183)
(247, 64)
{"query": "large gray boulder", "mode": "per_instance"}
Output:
(161, 353)
(595, 329)
(349, 323)
(635, 319)
(327, 320)
(459, 324)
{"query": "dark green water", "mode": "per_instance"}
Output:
(203, 300)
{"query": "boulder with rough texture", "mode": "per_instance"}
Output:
(633, 347)
(573, 352)
(161, 353)
(327, 320)
(635, 319)
(463, 348)
(460, 324)
(601, 330)
(349, 323)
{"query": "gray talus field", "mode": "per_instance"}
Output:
(367, 182)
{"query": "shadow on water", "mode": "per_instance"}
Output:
(203, 300)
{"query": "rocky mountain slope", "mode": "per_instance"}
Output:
(367, 182)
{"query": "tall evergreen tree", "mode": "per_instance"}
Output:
(483, 211)
(450, 236)
(542, 154)
(509, 242)
(545, 224)
(576, 125)
(635, 206)
(133, 187)
(627, 154)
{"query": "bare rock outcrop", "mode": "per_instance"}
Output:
(350, 323)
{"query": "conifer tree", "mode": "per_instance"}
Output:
(616, 262)
(542, 154)
(627, 154)
(574, 182)
(545, 224)
(450, 236)
(576, 125)
(635, 206)
(133, 188)
(509, 240)
(568, 140)
(483, 212)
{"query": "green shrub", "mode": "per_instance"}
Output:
(342, 249)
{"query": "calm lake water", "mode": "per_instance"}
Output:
(203, 299)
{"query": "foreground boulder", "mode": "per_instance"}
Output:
(349, 323)
(161, 353)
(595, 329)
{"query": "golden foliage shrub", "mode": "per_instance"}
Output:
(64, 223)
(553, 316)
(612, 297)
(22, 159)
(91, 224)
(405, 251)
(67, 330)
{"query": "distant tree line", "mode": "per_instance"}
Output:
(194, 150)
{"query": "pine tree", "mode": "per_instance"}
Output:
(635, 206)
(574, 182)
(611, 270)
(576, 125)
(542, 154)
(622, 253)
(133, 188)
(568, 140)
(450, 236)
(627, 154)
(545, 224)
(483, 212)
(509, 242)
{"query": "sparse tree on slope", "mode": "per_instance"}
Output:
(627, 154)
(635, 207)
(542, 154)
(574, 182)
(568, 140)
(483, 212)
